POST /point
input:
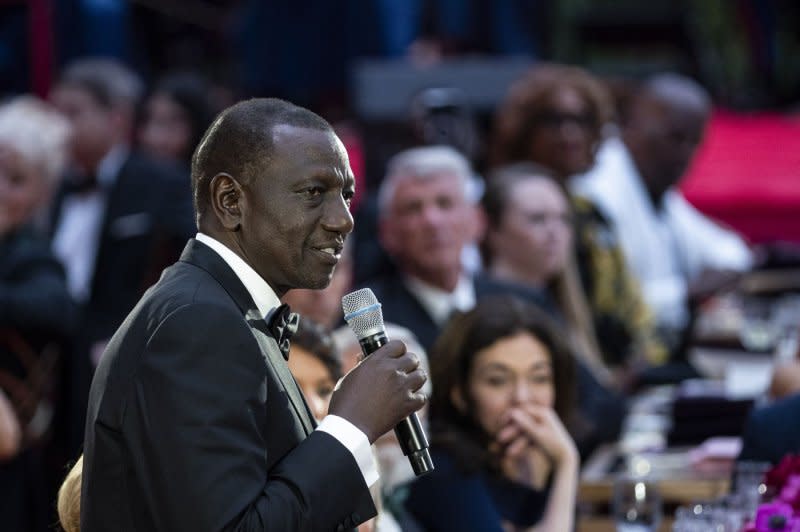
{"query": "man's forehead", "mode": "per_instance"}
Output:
(319, 139)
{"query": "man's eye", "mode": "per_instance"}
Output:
(313, 192)
(348, 196)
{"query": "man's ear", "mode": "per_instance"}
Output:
(226, 201)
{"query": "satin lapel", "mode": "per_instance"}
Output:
(273, 356)
(204, 257)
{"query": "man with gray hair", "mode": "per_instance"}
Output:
(670, 246)
(427, 218)
(119, 217)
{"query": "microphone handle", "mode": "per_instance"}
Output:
(409, 431)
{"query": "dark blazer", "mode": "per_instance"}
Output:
(36, 318)
(147, 220)
(195, 422)
(401, 307)
(772, 431)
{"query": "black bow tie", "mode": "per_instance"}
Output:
(282, 324)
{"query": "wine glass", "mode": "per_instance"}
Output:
(637, 504)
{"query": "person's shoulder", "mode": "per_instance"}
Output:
(185, 289)
(384, 285)
(26, 248)
(586, 209)
(778, 412)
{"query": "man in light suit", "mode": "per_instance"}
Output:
(194, 420)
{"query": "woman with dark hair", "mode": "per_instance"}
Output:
(502, 395)
(174, 117)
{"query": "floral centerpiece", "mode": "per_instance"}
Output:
(782, 514)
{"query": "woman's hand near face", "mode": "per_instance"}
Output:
(536, 425)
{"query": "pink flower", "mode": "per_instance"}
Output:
(776, 517)
(778, 475)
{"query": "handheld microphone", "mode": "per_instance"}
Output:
(362, 312)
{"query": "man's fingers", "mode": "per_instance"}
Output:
(395, 348)
(416, 379)
(408, 363)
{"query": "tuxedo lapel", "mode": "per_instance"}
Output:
(204, 257)
(274, 357)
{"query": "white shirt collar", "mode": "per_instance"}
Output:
(263, 295)
(439, 303)
(110, 165)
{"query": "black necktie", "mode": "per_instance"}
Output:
(282, 324)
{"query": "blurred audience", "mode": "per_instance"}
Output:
(555, 116)
(501, 399)
(677, 254)
(37, 314)
(529, 242)
(118, 219)
(175, 115)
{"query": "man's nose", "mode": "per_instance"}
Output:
(338, 217)
(432, 215)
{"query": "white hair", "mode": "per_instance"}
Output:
(37, 132)
(421, 163)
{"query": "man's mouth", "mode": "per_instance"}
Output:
(332, 252)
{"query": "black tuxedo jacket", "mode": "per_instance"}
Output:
(195, 423)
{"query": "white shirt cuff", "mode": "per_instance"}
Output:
(356, 442)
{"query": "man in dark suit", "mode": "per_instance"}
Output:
(426, 218)
(428, 224)
(194, 420)
(117, 221)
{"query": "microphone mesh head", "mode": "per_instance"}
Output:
(362, 312)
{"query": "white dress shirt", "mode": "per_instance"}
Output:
(667, 247)
(265, 299)
(439, 303)
(77, 237)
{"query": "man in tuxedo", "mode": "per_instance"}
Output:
(117, 221)
(194, 420)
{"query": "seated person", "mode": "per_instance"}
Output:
(555, 116)
(772, 431)
(678, 255)
(315, 364)
(529, 242)
(37, 314)
(501, 398)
